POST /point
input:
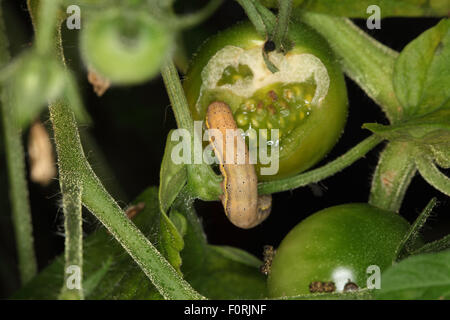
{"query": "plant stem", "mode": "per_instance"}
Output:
(406, 246)
(432, 175)
(74, 237)
(392, 177)
(74, 166)
(366, 61)
(203, 182)
(21, 213)
(47, 19)
(102, 205)
(192, 19)
(321, 173)
(255, 17)
(281, 28)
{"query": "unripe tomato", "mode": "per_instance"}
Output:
(306, 99)
(126, 47)
(335, 246)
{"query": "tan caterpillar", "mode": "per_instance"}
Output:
(240, 200)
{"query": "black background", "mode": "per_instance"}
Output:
(130, 128)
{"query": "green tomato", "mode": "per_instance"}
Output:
(306, 100)
(125, 47)
(336, 245)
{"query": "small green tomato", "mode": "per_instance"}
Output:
(125, 47)
(337, 246)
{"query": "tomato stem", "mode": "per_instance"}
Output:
(321, 173)
(74, 167)
(15, 161)
(204, 183)
(255, 17)
(392, 177)
(406, 246)
(281, 28)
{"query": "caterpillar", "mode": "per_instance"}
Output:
(240, 198)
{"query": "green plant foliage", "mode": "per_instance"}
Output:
(419, 83)
(424, 276)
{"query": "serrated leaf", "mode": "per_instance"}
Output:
(424, 276)
(421, 78)
(173, 176)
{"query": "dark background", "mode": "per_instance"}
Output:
(129, 133)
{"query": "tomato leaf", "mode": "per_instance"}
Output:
(420, 80)
(431, 132)
(173, 177)
(424, 276)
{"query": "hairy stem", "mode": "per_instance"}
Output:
(18, 189)
(203, 182)
(392, 177)
(47, 19)
(321, 173)
(255, 17)
(281, 28)
(74, 166)
(366, 61)
(74, 239)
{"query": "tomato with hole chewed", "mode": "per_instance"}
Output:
(306, 99)
(338, 246)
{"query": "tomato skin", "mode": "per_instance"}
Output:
(122, 58)
(318, 135)
(335, 244)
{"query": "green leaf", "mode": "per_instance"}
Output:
(424, 276)
(431, 132)
(217, 272)
(161, 231)
(238, 255)
(173, 176)
(421, 82)
(358, 8)
(110, 273)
